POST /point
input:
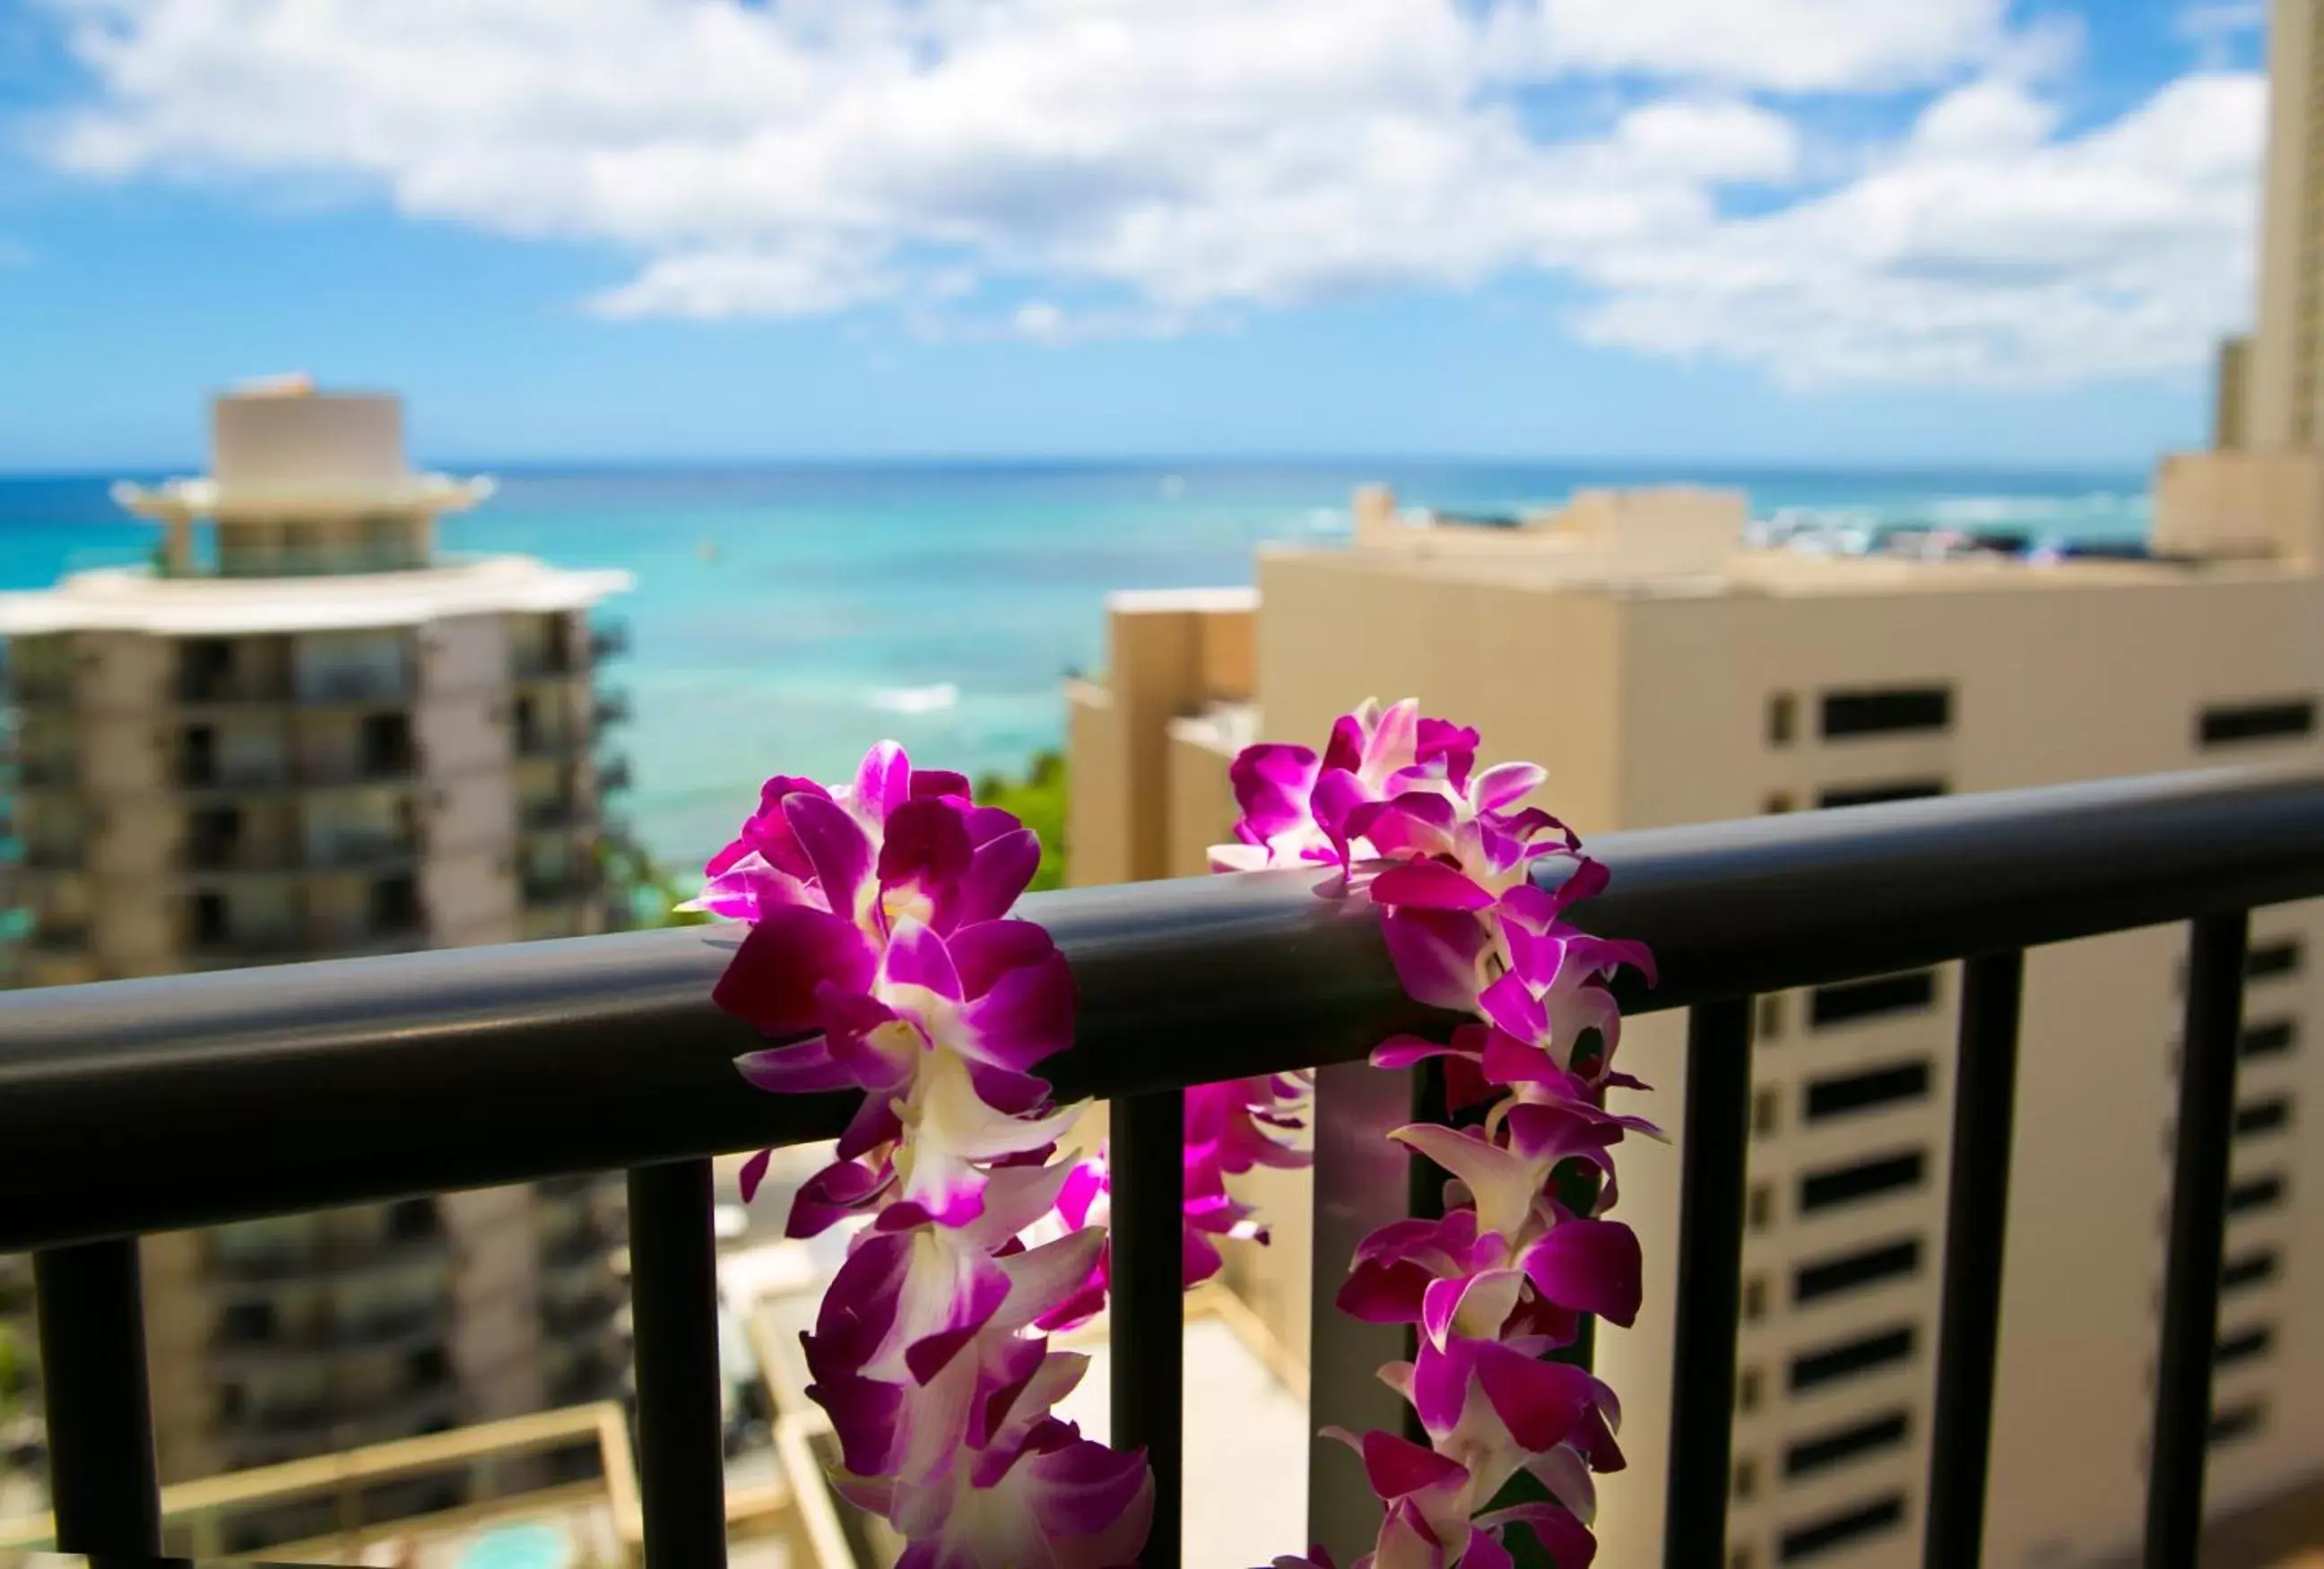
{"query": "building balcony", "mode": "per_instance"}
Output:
(57, 936)
(549, 816)
(317, 688)
(351, 852)
(328, 1259)
(267, 1432)
(52, 857)
(612, 708)
(44, 689)
(45, 773)
(608, 640)
(590, 1242)
(567, 888)
(378, 1335)
(285, 773)
(541, 664)
(613, 774)
(540, 740)
(579, 1317)
(185, 1102)
(274, 945)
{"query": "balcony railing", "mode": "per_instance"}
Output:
(151, 1105)
(612, 708)
(608, 640)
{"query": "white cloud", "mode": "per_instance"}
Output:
(1982, 250)
(1179, 162)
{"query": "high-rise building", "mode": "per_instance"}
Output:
(310, 735)
(1666, 674)
(2281, 369)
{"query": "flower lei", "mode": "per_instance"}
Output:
(880, 929)
(1521, 1253)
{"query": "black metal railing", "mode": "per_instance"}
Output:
(143, 1105)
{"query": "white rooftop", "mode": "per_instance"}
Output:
(129, 599)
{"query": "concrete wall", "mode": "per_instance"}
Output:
(465, 653)
(1539, 684)
(496, 1299)
(1169, 655)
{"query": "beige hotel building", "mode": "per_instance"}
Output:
(311, 735)
(1665, 672)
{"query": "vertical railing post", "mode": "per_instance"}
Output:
(1363, 1181)
(101, 1481)
(1713, 1153)
(2190, 1284)
(1977, 1216)
(1146, 1148)
(673, 1311)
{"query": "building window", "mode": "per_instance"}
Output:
(1865, 1091)
(2237, 1422)
(2269, 1037)
(1847, 1526)
(1771, 1016)
(1761, 1209)
(1856, 1271)
(2253, 1269)
(2268, 1116)
(1741, 1558)
(1778, 802)
(1782, 718)
(2256, 1194)
(2245, 1345)
(1888, 711)
(2265, 961)
(1766, 1111)
(1874, 794)
(1838, 1445)
(1849, 1358)
(2231, 724)
(1915, 991)
(1755, 1298)
(1747, 1478)
(1746, 1390)
(1867, 1180)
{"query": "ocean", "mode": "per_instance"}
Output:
(785, 617)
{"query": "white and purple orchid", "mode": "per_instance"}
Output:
(882, 958)
(880, 952)
(1451, 855)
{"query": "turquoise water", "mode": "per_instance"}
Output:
(785, 618)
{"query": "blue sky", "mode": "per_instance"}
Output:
(1778, 231)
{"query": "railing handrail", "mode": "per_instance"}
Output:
(149, 1104)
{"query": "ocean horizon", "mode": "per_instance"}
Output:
(789, 613)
